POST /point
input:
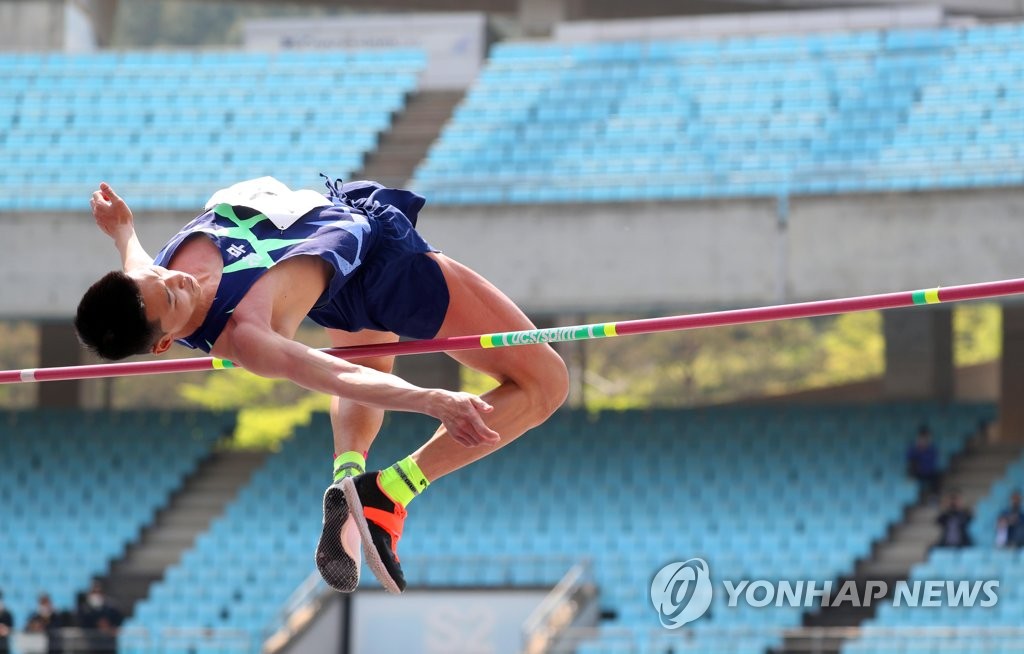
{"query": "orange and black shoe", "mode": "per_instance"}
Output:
(337, 552)
(380, 521)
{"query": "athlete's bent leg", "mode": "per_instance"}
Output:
(533, 383)
(355, 427)
(533, 379)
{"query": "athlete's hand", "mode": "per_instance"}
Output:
(111, 213)
(460, 413)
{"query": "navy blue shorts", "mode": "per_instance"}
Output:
(397, 287)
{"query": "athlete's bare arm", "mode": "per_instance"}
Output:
(259, 336)
(115, 219)
(259, 349)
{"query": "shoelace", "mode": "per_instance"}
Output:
(338, 196)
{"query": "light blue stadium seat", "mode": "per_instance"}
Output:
(745, 464)
(840, 123)
(308, 114)
(49, 548)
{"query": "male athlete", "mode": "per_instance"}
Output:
(239, 279)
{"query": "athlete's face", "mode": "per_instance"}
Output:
(171, 297)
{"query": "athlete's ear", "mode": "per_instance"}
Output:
(163, 344)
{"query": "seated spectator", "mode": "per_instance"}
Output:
(100, 615)
(1013, 517)
(954, 519)
(99, 611)
(45, 618)
(6, 625)
(35, 625)
(923, 462)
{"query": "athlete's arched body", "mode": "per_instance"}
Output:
(237, 284)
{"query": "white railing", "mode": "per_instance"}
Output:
(559, 609)
(303, 604)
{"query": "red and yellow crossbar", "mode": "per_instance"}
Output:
(557, 334)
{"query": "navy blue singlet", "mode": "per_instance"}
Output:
(380, 279)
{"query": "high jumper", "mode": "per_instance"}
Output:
(239, 279)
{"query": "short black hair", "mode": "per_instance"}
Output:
(111, 318)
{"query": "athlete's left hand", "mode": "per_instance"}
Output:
(112, 214)
(460, 413)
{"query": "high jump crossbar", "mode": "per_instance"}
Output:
(556, 334)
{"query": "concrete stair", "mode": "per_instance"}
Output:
(405, 145)
(204, 496)
(971, 473)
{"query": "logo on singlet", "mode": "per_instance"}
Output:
(236, 250)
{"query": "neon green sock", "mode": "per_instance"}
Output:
(349, 464)
(403, 481)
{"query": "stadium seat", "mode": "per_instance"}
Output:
(60, 530)
(741, 487)
(834, 112)
(169, 128)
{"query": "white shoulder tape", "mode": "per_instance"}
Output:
(271, 198)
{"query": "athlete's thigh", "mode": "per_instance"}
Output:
(341, 338)
(476, 306)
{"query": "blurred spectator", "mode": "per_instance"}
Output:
(1002, 532)
(46, 618)
(1011, 521)
(954, 519)
(6, 625)
(99, 613)
(35, 625)
(923, 462)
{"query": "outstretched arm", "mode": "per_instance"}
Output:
(115, 219)
(264, 352)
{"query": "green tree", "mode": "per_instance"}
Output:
(854, 350)
(268, 409)
(730, 363)
(977, 333)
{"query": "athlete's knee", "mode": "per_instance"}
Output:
(548, 385)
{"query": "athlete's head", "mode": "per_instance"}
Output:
(136, 313)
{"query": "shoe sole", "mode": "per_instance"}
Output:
(338, 567)
(373, 560)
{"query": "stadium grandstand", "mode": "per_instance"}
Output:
(822, 487)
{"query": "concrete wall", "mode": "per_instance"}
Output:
(454, 43)
(680, 256)
(874, 243)
(986, 8)
(31, 25)
(750, 22)
(919, 353)
(631, 257)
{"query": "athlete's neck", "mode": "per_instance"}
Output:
(201, 259)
